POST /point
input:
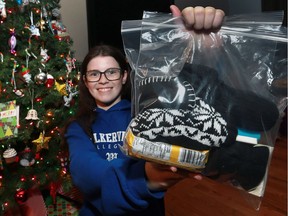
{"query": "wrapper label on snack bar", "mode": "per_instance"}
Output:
(165, 153)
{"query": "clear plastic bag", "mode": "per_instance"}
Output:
(210, 103)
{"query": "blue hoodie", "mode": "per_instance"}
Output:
(111, 182)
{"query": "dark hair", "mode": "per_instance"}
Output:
(85, 114)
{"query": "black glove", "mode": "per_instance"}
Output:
(241, 163)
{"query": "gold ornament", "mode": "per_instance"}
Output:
(61, 88)
(41, 142)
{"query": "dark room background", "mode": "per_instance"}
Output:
(104, 17)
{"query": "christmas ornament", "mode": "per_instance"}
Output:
(19, 92)
(44, 55)
(25, 2)
(3, 9)
(42, 142)
(40, 78)
(70, 63)
(41, 22)
(27, 157)
(56, 12)
(12, 41)
(58, 29)
(61, 88)
(21, 196)
(34, 31)
(71, 94)
(10, 155)
(26, 74)
(50, 81)
(32, 115)
(68, 99)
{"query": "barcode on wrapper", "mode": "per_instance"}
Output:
(192, 157)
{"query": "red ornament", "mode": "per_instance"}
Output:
(50, 81)
(21, 196)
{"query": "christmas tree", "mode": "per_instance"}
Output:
(38, 87)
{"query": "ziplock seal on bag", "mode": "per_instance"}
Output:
(209, 103)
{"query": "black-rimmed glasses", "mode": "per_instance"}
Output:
(110, 74)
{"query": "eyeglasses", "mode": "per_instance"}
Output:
(110, 74)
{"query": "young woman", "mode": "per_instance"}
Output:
(111, 182)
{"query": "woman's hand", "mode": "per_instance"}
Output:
(203, 24)
(162, 177)
(200, 18)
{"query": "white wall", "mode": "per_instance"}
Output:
(74, 17)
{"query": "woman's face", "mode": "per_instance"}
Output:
(106, 93)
